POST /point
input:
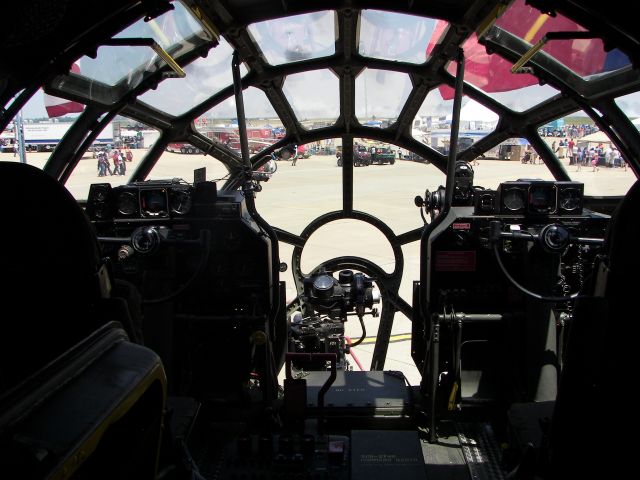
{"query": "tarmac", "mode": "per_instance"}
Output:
(296, 195)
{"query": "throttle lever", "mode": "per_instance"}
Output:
(553, 238)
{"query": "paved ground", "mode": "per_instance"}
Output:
(298, 194)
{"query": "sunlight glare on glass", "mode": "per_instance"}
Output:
(380, 94)
(205, 77)
(395, 36)
(295, 38)
(176, 31)
(313, 110)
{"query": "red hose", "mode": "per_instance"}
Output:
(355, 359)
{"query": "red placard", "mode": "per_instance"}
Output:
(455, 261)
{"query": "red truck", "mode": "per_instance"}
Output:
(182, 148)
(361, 156)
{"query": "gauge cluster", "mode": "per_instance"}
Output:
(144, 200)
(532, 197)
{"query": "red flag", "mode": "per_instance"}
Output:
(56, 107)
(492, 73)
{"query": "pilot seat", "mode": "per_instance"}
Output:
(75, 391)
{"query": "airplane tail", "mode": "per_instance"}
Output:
(56, 107)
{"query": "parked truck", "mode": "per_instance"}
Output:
(382, 154)
(179, 147)
(45, 136)
(361, 156)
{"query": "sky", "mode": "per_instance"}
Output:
(34, 108)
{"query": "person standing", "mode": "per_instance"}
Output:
(103, 164)
(107, 165)
(116, 162)
(123, 164)
(594, 159)
(608, 157)
(562, 148)
(570, 145)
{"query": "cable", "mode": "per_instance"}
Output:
(537, 296)
(222, 178)
(424, 220)
(364, 333)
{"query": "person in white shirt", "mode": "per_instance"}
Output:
(608, 157)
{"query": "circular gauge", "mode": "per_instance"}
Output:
(570, 199)
(486, 203)
(127, 203)
(514, 199)
(180, 201)
(542, 199)
(154, 202)
(100, 195)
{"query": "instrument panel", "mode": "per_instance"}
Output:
(532, 198)
(151, 200)
(533, 214)
(159, 200)
(204, 271)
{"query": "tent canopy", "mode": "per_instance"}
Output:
(596, 137)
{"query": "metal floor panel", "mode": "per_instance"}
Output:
(481, 451)
(444, 459)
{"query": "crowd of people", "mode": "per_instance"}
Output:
(119, 158)
(573, 131)
(599, 156)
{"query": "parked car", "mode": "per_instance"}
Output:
(361, 156)
(286, 152)
(382, 155)
(414, 157)
(303, 151)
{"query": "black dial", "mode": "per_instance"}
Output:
(570, 199)
(101, 195)
(514, 199)
(127, 203)
(180, 201)
(154, 202)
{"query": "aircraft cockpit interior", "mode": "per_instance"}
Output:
(346, 239)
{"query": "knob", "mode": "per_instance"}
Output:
(323, 286)
(124, 252)
(555, 238)
(345, 277)
(145, 239)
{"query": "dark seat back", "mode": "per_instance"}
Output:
(50, 271)
(592, 427)
(75, 394)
